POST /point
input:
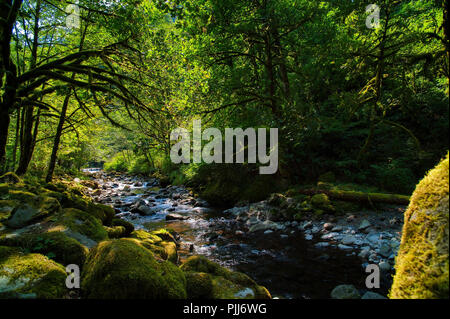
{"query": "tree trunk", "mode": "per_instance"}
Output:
(359, 196)
(53, 157)
(26, 148)
(4, 125)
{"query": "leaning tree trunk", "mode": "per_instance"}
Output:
(53, 157)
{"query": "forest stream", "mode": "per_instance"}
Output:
(288, 261)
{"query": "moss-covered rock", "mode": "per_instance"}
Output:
(115, 231)
(6, 208)
(170, 249)
(55, 245)
(321, 202)
(199, 285)
(422, 264)
(30, 275)
(82, 226)
(146, 236)
(226, 284)
(30, 209)
(103, 212)
(129, 228)
(124, 269)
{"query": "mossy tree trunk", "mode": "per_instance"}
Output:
(359, 196)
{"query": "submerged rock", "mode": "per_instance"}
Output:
(345, 292)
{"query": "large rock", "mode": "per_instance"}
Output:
(345, 292)
(82, 226)
(30, 275)
(30, 209)
(124, 269)
(422, 264)
(56, 245)
(208, 280)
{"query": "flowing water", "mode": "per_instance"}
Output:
(288, 265)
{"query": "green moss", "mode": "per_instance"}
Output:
(31, 208)
(322, 203)
(124, 269)
(10, 178)
(103, 212)
(199, 285)
(30, 274)
(23, 196)
(164, 234)
(55, 245)
(226, 283)
(202, 264)
(6, 207)
(422, 264)
(170, 249)
(145, 236)
(83, 223)
(115, 231)
(129, 228)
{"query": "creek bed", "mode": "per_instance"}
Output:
(287, 264)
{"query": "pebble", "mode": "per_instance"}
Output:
(384, 266)
(322, 245)
(348, 240)
(372, 295)
(364, 224)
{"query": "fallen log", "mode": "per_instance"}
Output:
(361, 197)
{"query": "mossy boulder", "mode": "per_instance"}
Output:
(170, 249)
(115, 231)
(82, 226)
(124, 269)
(322, 203)
(199, 285)
(55, 245)
(30, 275)
(225, 283)
(30, 209)
(103, 212)
(6, 208)
(129, 228)
(146, 236)
(422, 264)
